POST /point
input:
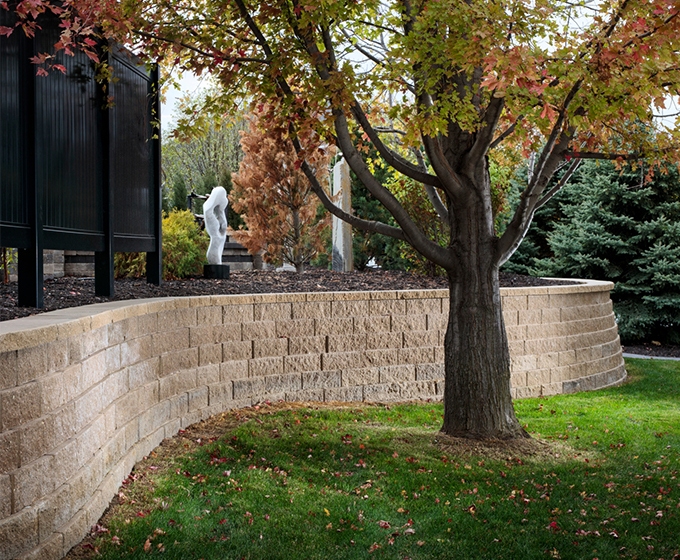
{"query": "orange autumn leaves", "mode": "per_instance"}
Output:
(273, 195)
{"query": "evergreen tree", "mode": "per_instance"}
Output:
(179, 193)
(624, 226)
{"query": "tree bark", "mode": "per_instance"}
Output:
(477, 396)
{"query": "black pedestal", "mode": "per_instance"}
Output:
(219, 271)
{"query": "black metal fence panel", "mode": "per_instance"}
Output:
(79, 162)
(12, 208)
(67, 158)
(131, 145)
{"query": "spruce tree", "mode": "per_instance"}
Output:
(623, 226)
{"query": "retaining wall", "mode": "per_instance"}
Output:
(87, 392)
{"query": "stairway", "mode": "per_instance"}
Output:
(236, 255)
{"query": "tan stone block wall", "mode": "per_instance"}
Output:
(85, 393)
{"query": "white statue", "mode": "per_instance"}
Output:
(215, 215)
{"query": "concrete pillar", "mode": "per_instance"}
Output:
(343, 259)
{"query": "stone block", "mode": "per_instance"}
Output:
(437, 321)
(120, 331)
(301, 362)
(169, 341)
(143, 373)
(526, 392)
(402, 323)
(18, 533)
(538, 377)
(282, 383)
(348, 308)
(295, 328)
(523, 363)
(237, 350)
(518, 379)
(378, 340)
(179, 360)
(550, 315)
(220, 393)
(198, 399)
(258, 330)
(567, 357)
(34, 441)
(382, 357)
(32, 482)
(32, 363)
(529, 316)
(415, 355)
(236, 369)
(514, 303)
(307, 345)
(397, 374)
(74, 531)
(228, 332)
(378, 307)
(427, 372)
(209, 315)
(147, 324)
(204, 334)
(259, 367)
(539, 301)
(548, 360)
(361, 376)
(174, 318)
(344, 394)
(151, 420)
(418, 339)
(8, 370)
(209, 354)
(311, 310)
(424, 306)
(516, 333)
(180, 382)
(305, 395)
(5, 496)
(382, 392)
(418, 390)
(337, 325)
(347, 342)
(20, 405)
(244, 388)
(137, 350)
(268, 347)
(343, 360)
(93, 341)
(10, 445)
(237, 313)
(373, 324)
(272, 311)
(207, 375)
(321, 379)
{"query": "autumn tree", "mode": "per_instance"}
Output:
(274, 196)
(564, 80)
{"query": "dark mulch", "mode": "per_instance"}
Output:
(653, 349)
(71, 292)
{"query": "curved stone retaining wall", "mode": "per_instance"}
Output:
(87, 392)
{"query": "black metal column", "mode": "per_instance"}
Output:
(103, 260)
(30, 263)
(154, 259)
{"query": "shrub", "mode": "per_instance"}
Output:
(184, 248)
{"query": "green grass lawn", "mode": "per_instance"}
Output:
(377, 482)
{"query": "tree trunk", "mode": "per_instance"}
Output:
(477, 397)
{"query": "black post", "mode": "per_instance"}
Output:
(103, 260)
(154, 259)
(30, 265)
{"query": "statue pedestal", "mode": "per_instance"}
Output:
(217, 271)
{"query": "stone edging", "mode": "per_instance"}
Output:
(87, 392)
